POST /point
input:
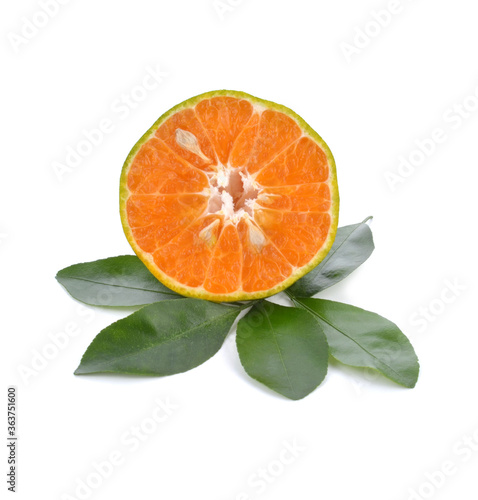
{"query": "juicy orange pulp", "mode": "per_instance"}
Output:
(230, 197)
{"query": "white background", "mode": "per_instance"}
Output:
(360, 435)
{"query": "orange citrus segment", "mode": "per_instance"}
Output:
(186, 125)
(175, 175)
(297, 235)
(225, 269)
(303, 162)
(224, 118)
(273, 132)
(186, 258)
(264, 267)
(313, 197)
(156, 219)
(245, 141)
(229, 197)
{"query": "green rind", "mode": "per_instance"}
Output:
(241, 295)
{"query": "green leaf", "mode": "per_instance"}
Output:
(361, 338)
(353, 245)
(284, 348)
(117, 281)
(160, 339)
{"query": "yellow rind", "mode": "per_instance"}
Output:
(240, 295)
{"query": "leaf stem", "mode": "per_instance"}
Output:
(292, 298)
(242, 305)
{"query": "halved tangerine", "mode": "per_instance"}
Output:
(229, 197)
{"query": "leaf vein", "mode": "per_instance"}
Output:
(353, 340)
(280, 354)
(165, 292)
(160, 344)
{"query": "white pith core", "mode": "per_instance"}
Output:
(232, 191)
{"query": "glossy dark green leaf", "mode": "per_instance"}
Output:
(160, 339)
(353, 245)
(117, 281)
(361, 338)
(284, 348)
